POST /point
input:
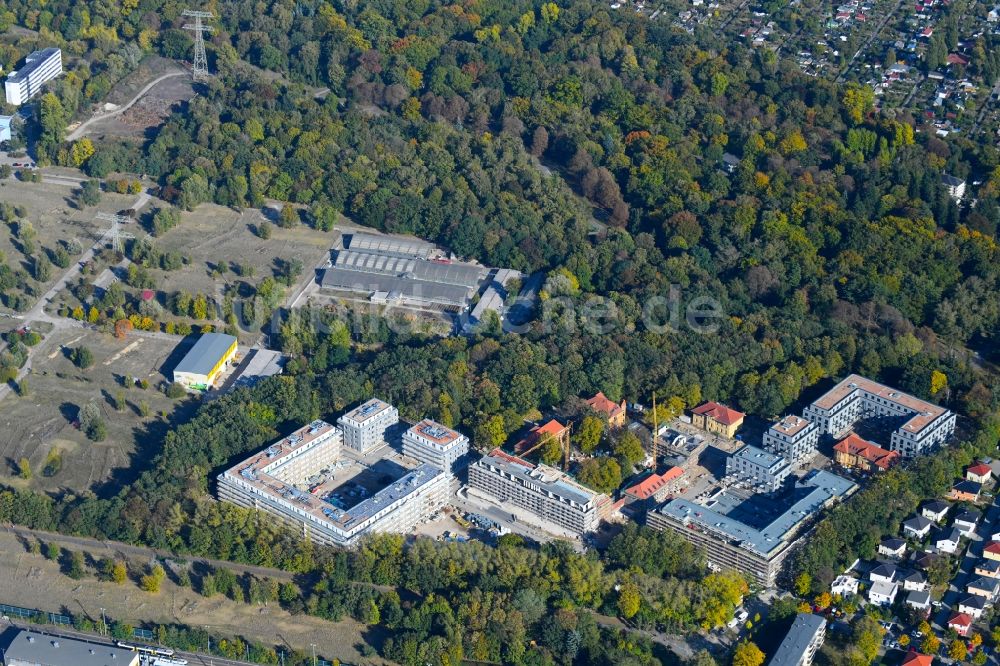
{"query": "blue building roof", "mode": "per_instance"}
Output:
(813, 493)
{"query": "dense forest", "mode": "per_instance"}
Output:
(578, 141)
(590, 141)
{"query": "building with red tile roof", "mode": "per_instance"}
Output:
(717, 418)
(656, 486)
(914, 658)
(979, 472)
(855, 452)
(614, 412)
(992, 551)
(961, 623)
(549, 430)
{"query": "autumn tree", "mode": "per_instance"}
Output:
(747, 654)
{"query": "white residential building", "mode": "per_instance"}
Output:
(272, 481)
(803, 640)
(39, 67)
(921, 600)
(973, 605)
(844, 585)
(915, 581)
(882, 593)
(948, 541)
(434, 444)
(766, 471)
(955, 187)
(545, 493)
(793, 437)
(935, 510)
(855, 398)
(364, 426)
(917, 527)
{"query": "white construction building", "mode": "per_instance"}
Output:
(925, 426)
(39, 67)
(549, 496)
(434, 444)
(793, 437)
(287, 481)
(364, 426)
(765, 471)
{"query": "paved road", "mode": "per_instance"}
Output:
(81, 130)
(59, 179)
(124, 549)
(193, 658)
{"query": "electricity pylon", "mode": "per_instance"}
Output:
(200, 69)
(117, 236)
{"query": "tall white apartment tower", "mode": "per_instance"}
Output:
(39, 67)
(434, 444)
(364, 426)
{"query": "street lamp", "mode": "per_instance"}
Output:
(104, 624)
(313, 646)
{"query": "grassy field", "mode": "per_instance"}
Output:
(212, 234)
(52, 211)
(30, 580)
(42, 421)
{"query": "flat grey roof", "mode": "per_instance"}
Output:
(205, 353)
(758, 456)
(407, 288)
(390, 244)
(824, 487)
(33, 648)
(366, 410)
(540, 476)
(408, 484)
(31, 63)
(797, 640)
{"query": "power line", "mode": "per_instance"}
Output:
(199, 70)
(117, 236)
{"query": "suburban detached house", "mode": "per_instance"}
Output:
(948, 540)
(919, 599)
(935, 510)
(883, 593)
(914, 580)
(973, 605)
(883, 573)
(996, 535)
(961, 623)
(917, 527)
(892, 547)
(844, 585)
(989, 568)
(992, 551)
(966, 521)
(985, 587)
(914, 658)
(979, 472)
(965, 491)
(925, 560)
(717, 418)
